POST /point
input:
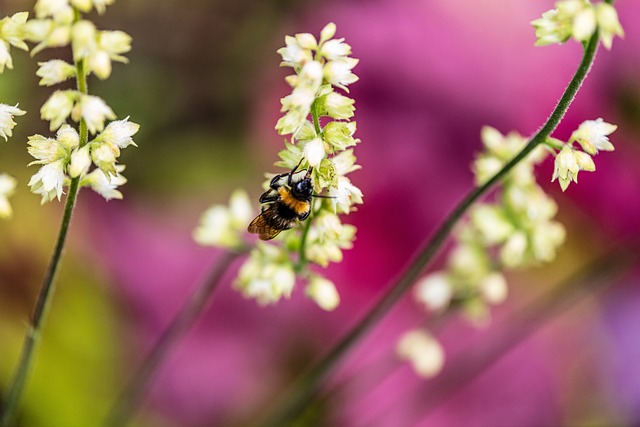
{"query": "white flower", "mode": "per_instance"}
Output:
(335, 49)
(119, 133)
(94, 111)
(434, 291)
(608, 23)
(48, 181)
(567, 165)
(12, 30)
(86, 5)
(323, 292)
(45, 8)
(7, 188)
(326, 237)
(11, 33)
(266, 275)
(513, 252)
(50, 33)
(336, 106)
(54, 72)
(45, 150)
(592, 135)
(327, 32)
(82, 5)
(5, 56)
(346, 195)
(105, 156)
(80, 162)
(314, 151)
(339, 74)
(546, 239)
(83, 36)
(423, 351)
(106, 187)
(294, 55)
(110, 44)
(345, 162)
(339, 135)
(68, 137)
(492, 223)
(7, 112)
(493, 288)
(58, 107)
(571, 18)
(224, 226)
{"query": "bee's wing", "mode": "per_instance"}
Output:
(260, 225)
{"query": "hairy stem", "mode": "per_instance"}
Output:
(133, 394)
(47, 288)
(304, 390)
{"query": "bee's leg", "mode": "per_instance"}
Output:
(274, 184)
(294, 171)
(304, 215)
(269, 196)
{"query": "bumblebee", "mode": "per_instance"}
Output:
(287, 201)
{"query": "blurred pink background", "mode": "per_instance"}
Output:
(205, 85)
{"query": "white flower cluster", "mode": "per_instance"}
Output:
(12, 33)
(578, 19)
(515, 230)
(320, 66)
(224, 226)
(70, 156)
(63, 158)
(592, 136)
(56, 26)
(423, 351)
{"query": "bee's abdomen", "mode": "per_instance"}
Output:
(285, 212)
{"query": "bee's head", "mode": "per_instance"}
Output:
(303, 189)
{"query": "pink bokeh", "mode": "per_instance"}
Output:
(432, 74)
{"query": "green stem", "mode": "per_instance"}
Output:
(47, 288)
(133, 394)
(302, 257)
(304, 390)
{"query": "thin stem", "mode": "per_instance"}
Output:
(307, 386)
(47, 289)
(39, 313)
(133, 394)
(302, 257)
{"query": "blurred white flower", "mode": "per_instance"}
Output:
(423, 351)
(94, 111)
(224, 226)
(434, 291)
(54, 72)
(7, 112)
(7, 188)
(58, 107)
(323, 292)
